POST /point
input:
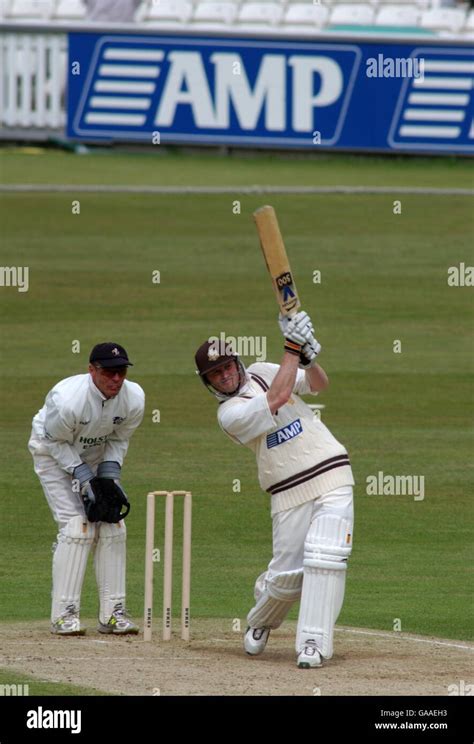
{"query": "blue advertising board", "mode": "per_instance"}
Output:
(335, 94)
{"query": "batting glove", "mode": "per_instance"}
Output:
(308, 354)
(283, 321)
(302, 318)
(299, 329)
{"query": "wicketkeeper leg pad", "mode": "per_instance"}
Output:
(74, 542)
(327, 547)
(110, 563)
(275, 595)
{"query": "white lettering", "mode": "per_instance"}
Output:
(398, 485)
(186, 83)
(15, 276)
(248, 103)
(63, 719)
(304, 99)
(243, 346)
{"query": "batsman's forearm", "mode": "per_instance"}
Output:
(317, 378)
(284, 382)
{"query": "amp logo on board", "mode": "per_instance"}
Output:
(215, 90)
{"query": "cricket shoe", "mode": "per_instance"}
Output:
(120, 622)
(68, 624)
(255, 640)
(310, 656)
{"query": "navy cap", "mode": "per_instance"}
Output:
(109, 355)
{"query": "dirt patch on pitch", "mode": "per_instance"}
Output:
(213, 663)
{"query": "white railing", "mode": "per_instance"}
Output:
(33, 80)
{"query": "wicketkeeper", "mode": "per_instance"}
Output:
(79, 441)
(308, 475)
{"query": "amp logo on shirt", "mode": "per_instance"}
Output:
(284, 434)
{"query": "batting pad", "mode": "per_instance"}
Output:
(109, 562)
(69, 564)
(275, 596)
(327, 548)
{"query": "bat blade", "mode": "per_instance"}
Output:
(276, 259)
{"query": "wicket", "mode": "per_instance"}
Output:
(168, 563)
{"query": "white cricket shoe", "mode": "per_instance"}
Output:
(255, 640)
(68, 624)
(120, 622)
(309, 657)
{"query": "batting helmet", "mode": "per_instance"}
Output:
(212, 355)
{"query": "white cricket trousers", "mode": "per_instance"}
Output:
(291, 527)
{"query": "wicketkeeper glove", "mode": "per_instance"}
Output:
(113, 500)
(109, 470)
(102, 496)
(108, 473)
(89, 484)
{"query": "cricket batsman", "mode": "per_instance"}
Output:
(79, 441)
(308, 475)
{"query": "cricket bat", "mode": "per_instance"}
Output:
(276, 259)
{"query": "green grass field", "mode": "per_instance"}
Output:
(33, 686)
(384, 277)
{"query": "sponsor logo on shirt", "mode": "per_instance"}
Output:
(92, 441)
(284, 434)
(118, 420)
